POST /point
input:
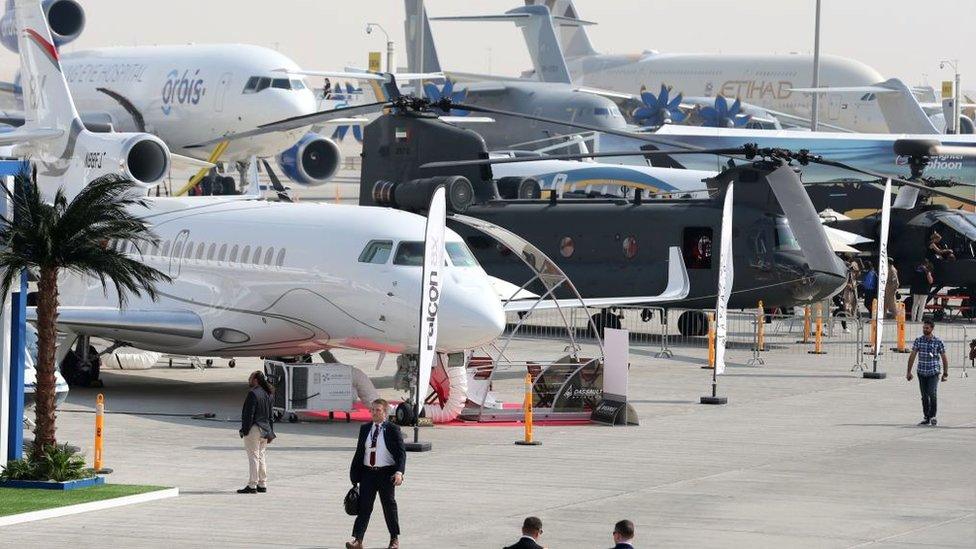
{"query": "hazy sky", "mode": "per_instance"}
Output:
(900, 38)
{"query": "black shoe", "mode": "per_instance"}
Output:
(262, 489)
(247, 490)
(933, 422)
(924, 421)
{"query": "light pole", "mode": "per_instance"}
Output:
(389, 44)
(956, 106)
(815, 106)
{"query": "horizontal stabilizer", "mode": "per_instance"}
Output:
(23, 136)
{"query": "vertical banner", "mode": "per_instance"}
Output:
(726, 273)
(883, 264)
(374, 61)
(431, 286)
(616, 359)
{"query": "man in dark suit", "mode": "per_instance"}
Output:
(623, 535)
(531, 530)
(378, 466)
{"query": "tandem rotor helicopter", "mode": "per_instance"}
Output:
(608, 246)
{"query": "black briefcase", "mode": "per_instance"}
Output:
(351, 501)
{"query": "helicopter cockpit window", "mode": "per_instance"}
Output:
(697, 247)
(377, 252)
(785, 239)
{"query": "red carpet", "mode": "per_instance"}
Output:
(360, 413)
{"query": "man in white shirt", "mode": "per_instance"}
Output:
(378, 466)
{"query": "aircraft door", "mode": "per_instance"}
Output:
(833, 106)
(176, 253)
(221, 91)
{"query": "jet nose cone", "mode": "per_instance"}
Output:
(470, 317)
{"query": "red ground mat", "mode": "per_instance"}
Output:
(360, 413)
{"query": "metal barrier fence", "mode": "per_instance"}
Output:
(845, 339)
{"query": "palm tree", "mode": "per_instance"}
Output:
(47, 237)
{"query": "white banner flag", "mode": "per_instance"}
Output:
(883, 264)
(726, 273)
(431, 285)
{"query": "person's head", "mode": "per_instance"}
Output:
(532, 527)
(623, 531)
(258, 378)
(378, 410)
(928, 326)
(868, 265)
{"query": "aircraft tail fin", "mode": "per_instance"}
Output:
(901, 110)
(572, 35)
(420, 42)
(47, 101)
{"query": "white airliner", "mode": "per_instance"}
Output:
(250, 278)
(762, 80)
(187, 94)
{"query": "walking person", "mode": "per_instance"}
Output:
(531, 530)
(870, 284)
(257, 430)
(623, 535)
(891, 290)
(922, 281)
(378, 466)
(928, 349)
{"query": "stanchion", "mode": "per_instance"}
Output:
(858, 344)
(99, 435)
(874, 373)
(527, 406)
(758, 342)
(665, 351)
(806, 324)
(711, 342)
(900, 319)
(818, 334)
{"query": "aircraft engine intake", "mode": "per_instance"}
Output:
(146, 160)
(312, 161)
(65, 17)
(415, 195)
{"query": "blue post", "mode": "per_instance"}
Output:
(18, 343)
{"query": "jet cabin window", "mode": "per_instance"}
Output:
(376, 251)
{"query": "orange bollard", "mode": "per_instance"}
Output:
(818, 333)
(807, 313)
(527, 408)
(761, 328)
(711, 342)
(99, 431)
(900, 319)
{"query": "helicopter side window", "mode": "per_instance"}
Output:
(377, 252)
(697, 247)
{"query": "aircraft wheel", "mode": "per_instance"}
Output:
(292, 417)
(231, 363)
(403, 415)
(82, 374)
(603, 320)
(276, 415)
(692, 323)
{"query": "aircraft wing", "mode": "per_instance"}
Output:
(845, 89)
(677, 289)
(357, 74)
(127, 324)
(21, 135)
(458, 76)
(182, 161)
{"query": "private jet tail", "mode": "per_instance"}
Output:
(416, 29)
(572, 35)
(899, 106)
(537, 25)
(68, 155)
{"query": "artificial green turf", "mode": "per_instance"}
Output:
(22, 500)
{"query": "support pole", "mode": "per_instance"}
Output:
(900, 347)
(874, 373)
(713, 398)
(807, 313)
(99, 435)
(761, 329)
(527, 409)
(711, 342)
(815, 106)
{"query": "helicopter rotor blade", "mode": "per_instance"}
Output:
(604, 154)
(918, 185)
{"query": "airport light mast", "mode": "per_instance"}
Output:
(956, 105)
(815, 107)
(389, 44)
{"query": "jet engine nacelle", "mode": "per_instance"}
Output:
(66, 18)
(311, 161)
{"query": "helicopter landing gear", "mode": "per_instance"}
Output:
(606, 318)
(692, 323)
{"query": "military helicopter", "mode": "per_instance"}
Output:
(608, 246)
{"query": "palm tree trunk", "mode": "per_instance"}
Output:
(47, 314)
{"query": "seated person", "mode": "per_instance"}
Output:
(937, 250)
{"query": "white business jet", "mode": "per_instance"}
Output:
(250, 278)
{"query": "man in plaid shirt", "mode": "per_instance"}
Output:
(928, 349)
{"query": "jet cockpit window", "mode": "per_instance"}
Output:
(256, 84)
(377, 252)
(601, 111)
(281, 84)
(410, 254)
(297, 84)
(460, 255)
(785, 240)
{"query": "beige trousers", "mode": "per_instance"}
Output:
(255, 446)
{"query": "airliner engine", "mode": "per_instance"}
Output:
(65, 17)
(311, 161)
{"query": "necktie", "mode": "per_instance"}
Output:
(372, 446)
